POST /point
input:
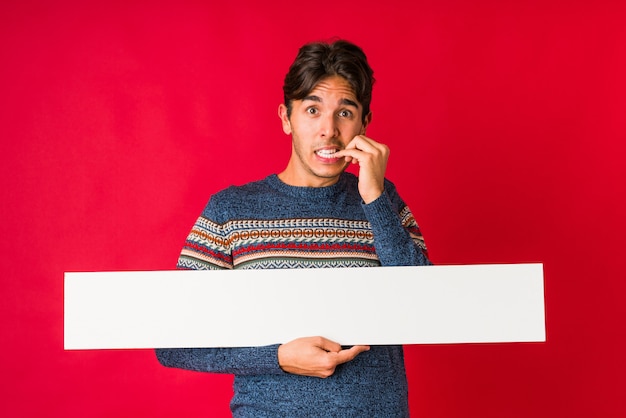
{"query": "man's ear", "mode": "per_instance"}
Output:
(366, 122)
(284, 118)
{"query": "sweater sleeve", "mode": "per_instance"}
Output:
(397, 238)
(240, 361)
(207, 245)
(207, 248)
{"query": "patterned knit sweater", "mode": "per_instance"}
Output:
(268, 224)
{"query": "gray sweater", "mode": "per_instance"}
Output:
(268, 224)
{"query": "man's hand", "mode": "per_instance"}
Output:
(315, 356)
(371, 157)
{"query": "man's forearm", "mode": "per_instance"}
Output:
(393, 243)
(241, 361)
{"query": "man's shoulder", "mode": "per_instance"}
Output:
(247, 189)
(240, 201)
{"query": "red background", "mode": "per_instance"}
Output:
(506, 122)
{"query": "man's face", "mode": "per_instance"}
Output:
(320, 124)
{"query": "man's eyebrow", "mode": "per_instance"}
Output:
(349, 102)
(312, 98)
(345, 102)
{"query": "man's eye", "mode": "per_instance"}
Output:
(345, 114)
(311, 110)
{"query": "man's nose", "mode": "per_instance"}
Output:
(328, 127)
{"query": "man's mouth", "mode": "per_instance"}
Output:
(326, 153)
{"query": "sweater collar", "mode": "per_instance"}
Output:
(303, 192)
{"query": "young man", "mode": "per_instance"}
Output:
(311, 215)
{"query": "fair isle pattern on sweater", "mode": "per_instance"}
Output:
(285, 243)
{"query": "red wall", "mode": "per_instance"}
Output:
(506, 122)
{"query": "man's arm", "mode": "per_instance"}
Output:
(397, 238)
(242, 361)
(206, 249)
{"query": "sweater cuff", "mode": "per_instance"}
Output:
(265, 359)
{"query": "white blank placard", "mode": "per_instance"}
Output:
(239, 308)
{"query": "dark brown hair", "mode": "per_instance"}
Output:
(318, 60)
